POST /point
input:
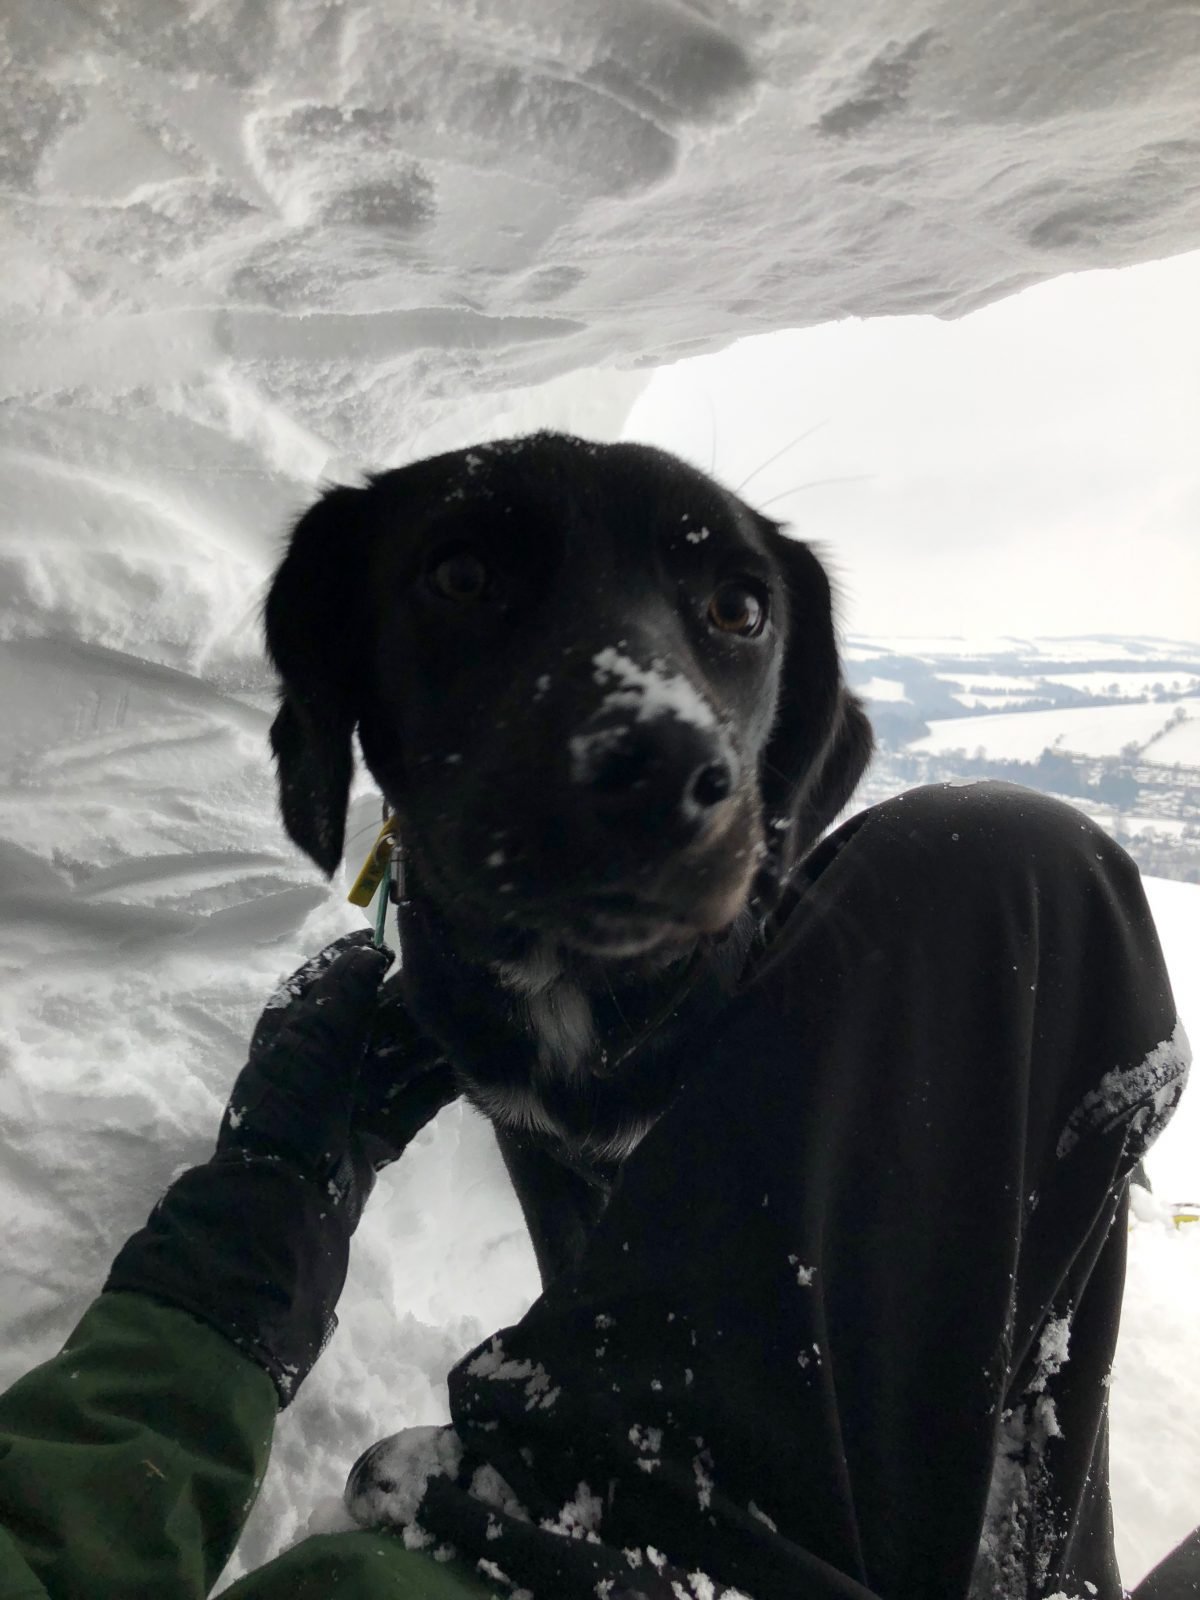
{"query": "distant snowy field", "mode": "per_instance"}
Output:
(1086, 730)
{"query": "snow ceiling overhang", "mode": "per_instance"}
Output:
(350, 216)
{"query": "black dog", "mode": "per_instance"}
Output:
(604, 699)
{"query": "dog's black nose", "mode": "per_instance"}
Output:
(711, 784)
(661, 775)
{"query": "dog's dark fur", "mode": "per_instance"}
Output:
(600, 787)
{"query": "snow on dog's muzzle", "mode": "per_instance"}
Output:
(653, 756)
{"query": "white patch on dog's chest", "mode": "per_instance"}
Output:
(559, 1013)
(560, 1019)
(564, 1027)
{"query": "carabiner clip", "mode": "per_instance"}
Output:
(382, 900)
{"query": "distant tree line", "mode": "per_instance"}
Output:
(1107, 784)
(1103, 781)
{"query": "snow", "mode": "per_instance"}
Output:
(1155, 1390)
(405, 1465)
(761, 1516)
(702, 1472)
(1134, 825)
(248, 248)
(342, 232)
(1153, 1084)
(1019, 1501)
(491, 1489)
(492, 1364)
(882, 689)
(1054, 1345)
(1180, 743)
(1084, 730)
(1174, 1162)
(1155, 1418)
(649, 691)
(994, 681)
(1054, 652)
(578, 1518)
(1126, 685)
(647, 1440)
(974, 701)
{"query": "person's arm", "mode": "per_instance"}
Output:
(129, 1461)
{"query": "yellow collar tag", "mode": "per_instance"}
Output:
(374, 867)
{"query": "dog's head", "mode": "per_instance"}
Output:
(601, 692)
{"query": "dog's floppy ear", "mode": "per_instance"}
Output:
(822, 741)
(316, 626)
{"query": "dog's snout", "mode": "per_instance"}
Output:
(611, 761)
(661, 775)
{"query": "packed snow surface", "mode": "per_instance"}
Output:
(349, 223)
(247, 245)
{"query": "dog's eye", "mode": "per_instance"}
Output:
(738, 607)
(459, 576)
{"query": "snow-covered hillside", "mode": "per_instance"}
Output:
(247, 244)
(1086, 730)
(1109, 724)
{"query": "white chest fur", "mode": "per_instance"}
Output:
(559, 1013)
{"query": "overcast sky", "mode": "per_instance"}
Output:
(1034, 468)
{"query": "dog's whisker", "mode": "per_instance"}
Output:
(776, 772)
(612, 994)
(791, 445)
(359, 833)
(814, 483)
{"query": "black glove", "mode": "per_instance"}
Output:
(256, 1242)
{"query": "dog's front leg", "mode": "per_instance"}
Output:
(561, 1207)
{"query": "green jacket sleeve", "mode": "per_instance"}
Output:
(129, 1461)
